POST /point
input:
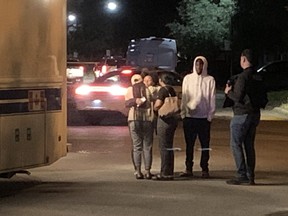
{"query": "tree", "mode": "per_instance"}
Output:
(203, 25)
(261, 25)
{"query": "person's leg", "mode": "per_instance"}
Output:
(132, 145)
(148, 130)
(135, 133)
(237, 133)
(253, 121)
(190, 137)
(204, 138)
(166, 131)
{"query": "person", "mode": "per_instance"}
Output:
(140, 123)
(244, 122)
(166, 127)
(197, 110)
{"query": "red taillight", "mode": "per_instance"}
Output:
(127, 71)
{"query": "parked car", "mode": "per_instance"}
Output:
(77, 71)
(107, 92)
(275, 75)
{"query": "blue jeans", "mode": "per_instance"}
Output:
(243, 132)
(141, 133)
(194, 127)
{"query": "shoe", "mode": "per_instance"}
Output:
(148, 175)
(205, 174)
(252, 182)
(240, 181)
(163, 177)
(186, 173)
(139, 176)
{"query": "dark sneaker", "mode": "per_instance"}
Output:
(186, 173)
(238, 181)
(163, 177)
(205, 174)
(251, 182)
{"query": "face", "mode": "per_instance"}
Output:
(242, 61)
(199, 66)
(148, 81)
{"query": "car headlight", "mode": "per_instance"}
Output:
(117, 90)
(83, 90)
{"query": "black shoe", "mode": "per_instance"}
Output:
(163, 177)
(139, 176)
(186, 173)
(240, 181)
(148, 175)
(205, 174)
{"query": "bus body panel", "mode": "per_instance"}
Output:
(32, 83)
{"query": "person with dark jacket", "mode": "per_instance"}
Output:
(244, 122)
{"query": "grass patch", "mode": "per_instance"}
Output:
(278, 98)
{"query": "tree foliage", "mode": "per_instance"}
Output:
(261, 25)
(203, 25)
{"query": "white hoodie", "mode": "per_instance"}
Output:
(198, 94)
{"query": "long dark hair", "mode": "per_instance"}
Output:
(166, 78)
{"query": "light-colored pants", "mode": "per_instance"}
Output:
(141, 133)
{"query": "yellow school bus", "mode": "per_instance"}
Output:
(32, 84)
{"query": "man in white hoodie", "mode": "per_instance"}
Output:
(197, 110)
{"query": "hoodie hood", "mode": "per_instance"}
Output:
(205, 66)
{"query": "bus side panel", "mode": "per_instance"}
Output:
(56, 137)
(33, 94)
(21, 138)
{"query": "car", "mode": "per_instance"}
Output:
(107, 92)
(77, 72)
(275, 75)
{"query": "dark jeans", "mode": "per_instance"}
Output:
(165, 131)
(243, 132)
(194, 127)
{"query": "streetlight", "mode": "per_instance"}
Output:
(112, 6)
(71, 18)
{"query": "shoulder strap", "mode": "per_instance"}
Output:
(167, 91)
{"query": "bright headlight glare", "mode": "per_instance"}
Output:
(117, 90)
(83, 90)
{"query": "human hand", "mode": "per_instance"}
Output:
(227, 88)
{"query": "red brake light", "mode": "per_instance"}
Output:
(127, 71)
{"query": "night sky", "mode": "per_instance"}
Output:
(136, 18)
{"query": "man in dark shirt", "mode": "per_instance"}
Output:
(244, 122)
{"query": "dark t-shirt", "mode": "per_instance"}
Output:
(165, 91)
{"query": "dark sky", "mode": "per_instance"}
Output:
(144, 17)
(134, 19)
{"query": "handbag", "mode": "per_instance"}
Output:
(170, 107)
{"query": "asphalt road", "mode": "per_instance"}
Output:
(96, 177)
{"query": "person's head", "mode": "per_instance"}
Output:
(165, 79)
(200, 65)
(148, 80)
(136, 78)
(247, 58)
